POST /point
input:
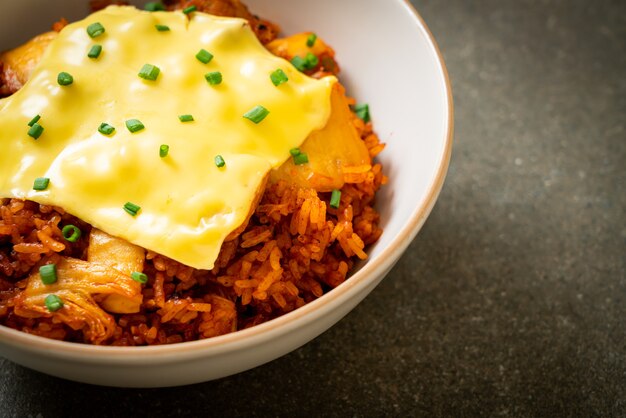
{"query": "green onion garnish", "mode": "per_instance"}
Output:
(299, 63)
(35, 131)
(189, 9)
(256, 114)
(219, 161)
(214, 78)
(154, 6)
(278, 77)
(300, 159)
(185, 118)
(41, 183)
(162, 28)
(164, 150)
(48, 273)
(309, 62)
(204, 56)
(149, 72)
(71, 233)
(95, 29)
(131, 208)
(335, 199)
(139, 277)
(310, 41)
(53, 303)
(294, 151)
(65, 79)
(134, 125)
(95, 51)
(106, 129)
(362, 111)
(34, 120)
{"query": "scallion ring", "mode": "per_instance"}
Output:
(71, 233)
(35, 131)
(134, 125)
(65, 79)
(335, 199)
(48, 273)
(131, 208)
(95, 51)
(139, 277)
(41, 183)
(95, 29)
(219, 161)
(149, 72)
(278, 77)
(256, 114)
(53, 303)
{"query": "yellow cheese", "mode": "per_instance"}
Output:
(188, 204)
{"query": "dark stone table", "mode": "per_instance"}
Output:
(512, 299)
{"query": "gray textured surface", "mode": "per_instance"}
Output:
(512, 299)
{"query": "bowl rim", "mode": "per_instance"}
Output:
(288, 322)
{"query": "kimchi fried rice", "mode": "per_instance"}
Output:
(295, 248)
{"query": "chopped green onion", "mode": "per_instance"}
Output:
(95, 51)
(149, 72)
(164, 150)
(162, 28)
(309, 62)
(278, 77)
(154, 6)
(310, 41)
(134, 125)
(48, 273)
(139, 277)
(65, 79)
(95, 29)
(34, 120)
(35, 131)
(71, 233)
(106, 129)
(185, 118)
(219, 161)
(299, 63)
(335, 199)
(53, 303)
(131, 208)
(362, 111)
(256, 114)
(204, 56)
(189, 9)
(294, 151)
(300, 159)
(214, 78)
(41, 183)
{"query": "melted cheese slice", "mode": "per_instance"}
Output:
(188, 204)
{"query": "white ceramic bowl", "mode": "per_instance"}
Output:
(388, 59)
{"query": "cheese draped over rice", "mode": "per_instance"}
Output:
(188, 205)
